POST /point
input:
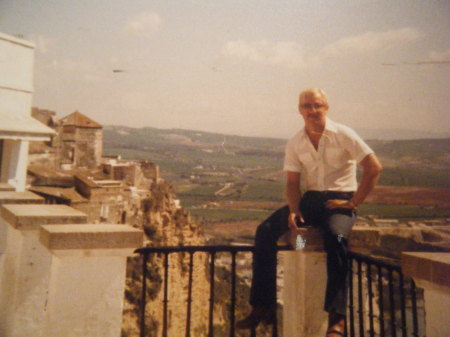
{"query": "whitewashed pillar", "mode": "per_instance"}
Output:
(87, 281)
(15, 159)
(24, 276)
(305, 279)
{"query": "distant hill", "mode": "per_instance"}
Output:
(399, 134)
(185, 153)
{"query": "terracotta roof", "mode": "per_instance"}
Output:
(78, 119)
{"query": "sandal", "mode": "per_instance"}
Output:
(336, 332)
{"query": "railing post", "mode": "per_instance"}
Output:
(304, 288)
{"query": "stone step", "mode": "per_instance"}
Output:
(6, 187)
(30, 217)
(25, 197)
(90, 236)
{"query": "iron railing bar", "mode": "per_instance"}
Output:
(380, 303)
(402, 304)
(351, 304)
(371, 315)
(360, 301)
(414, 309)
(166, 292)
(143, 294)
(211, 294)
(233, 293)
(392, 305)
(189, 298)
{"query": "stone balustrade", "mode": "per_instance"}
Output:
(58, 275)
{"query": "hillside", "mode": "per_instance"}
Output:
(208, 168)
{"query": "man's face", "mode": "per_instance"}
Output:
(313, 109)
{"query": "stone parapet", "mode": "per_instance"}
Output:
(29, 217)
(431, 271)
(25, 197)
(431, 267)
(90, 236)
(87, 278)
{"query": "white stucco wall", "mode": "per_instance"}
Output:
(16, 65)
(16, 125)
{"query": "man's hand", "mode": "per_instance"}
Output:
(293, 219)
(339, 203)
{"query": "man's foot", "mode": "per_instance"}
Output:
(335, 333)
(256, 316)
(336, 325)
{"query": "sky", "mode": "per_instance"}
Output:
(237, 66)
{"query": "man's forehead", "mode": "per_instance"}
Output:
(311, 96)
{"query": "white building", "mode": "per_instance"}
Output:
(17, 127)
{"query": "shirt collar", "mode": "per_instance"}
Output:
(330, 126)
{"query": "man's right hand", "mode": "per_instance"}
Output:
(293, 220)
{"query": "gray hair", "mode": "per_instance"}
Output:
(314, 91)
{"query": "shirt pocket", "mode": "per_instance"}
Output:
(334, 157)
(307, 161)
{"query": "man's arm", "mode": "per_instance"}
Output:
(293, 196)
(371, 172)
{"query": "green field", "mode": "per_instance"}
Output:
(199, 164)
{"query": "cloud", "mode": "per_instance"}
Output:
(370, 42)
(442, 56)
(290, 54)
(284, 53)
(77, 69)
(144, 25)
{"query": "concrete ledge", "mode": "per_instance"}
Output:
(431, 267)
(29, 217)
(90, 236)
(6, 187)
(25, 197)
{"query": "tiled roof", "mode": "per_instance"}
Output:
(78, 119)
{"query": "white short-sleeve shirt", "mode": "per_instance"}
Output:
(332, 167)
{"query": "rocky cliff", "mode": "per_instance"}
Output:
(166, 224)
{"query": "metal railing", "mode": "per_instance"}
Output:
(381, 302)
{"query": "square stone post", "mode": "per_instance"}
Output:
(25, 267)
(431, 271)
(87, 278)
(305, 278)
(8, 196)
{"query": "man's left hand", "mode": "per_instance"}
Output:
(339, 203)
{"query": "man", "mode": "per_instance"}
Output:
(324, 154)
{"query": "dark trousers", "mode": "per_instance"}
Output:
(335, 225)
